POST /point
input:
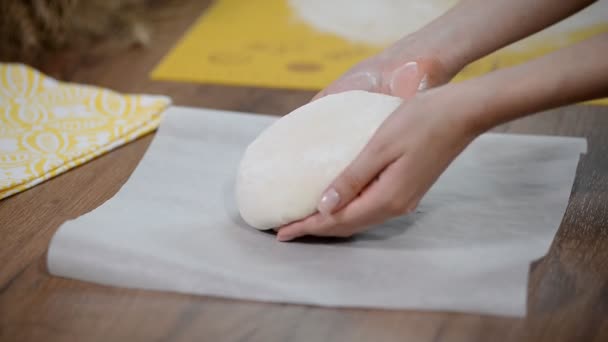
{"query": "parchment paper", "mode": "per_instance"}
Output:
(174, 226)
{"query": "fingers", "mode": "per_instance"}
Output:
(376, 155)
(407, 80)
(380, 201)
(369, 208)
(404, 81)
(416, 76)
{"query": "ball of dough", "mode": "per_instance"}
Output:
(285, 171)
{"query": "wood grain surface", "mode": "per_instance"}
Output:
(568, 289)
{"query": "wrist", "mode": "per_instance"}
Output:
(463, 107)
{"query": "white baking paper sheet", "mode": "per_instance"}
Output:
(174, 226)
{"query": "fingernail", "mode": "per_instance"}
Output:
(329, 202)
(410, 67)
(401, 80)
(424, 83)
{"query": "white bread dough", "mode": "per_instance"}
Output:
(284, 171)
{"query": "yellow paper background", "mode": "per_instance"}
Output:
(262, 43)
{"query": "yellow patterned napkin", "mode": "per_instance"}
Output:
(48, 127)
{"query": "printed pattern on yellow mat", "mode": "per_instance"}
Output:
(48, 127)
(262, 43)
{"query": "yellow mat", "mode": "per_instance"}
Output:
(48, 127)
(262, 43)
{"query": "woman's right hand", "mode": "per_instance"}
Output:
(401, 70)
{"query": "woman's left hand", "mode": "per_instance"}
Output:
(397, 167)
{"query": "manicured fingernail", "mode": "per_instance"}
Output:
(408, 70)
(329, 202)
(424, 83)
(410, 67)
(401, 81)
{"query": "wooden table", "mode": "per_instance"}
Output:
(568, 289)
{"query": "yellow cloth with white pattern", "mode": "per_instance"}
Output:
(48, 127)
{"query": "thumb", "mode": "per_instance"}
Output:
(416, 76)
(407, 80)
(355, 178)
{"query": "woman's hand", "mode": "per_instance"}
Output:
(420, 139)
(403, 159)
(431, 56)
(417, 142)
(409, 66)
